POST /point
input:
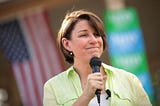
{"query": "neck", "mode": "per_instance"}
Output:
(83, 70)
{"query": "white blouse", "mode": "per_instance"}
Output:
(103, 100)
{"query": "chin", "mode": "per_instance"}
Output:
(95, 55)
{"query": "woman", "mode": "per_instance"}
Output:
(80, 38)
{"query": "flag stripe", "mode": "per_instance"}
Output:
(37, 91)
(34, 61)
(58, 63)
(20, 81)
(39, 38)
(31, 26)
(35, 84)
(45, 44)
(35, 64)
(27, 75)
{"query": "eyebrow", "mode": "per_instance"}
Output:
(82, 31)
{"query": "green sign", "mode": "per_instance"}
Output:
(126, 46)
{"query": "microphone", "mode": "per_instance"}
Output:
(108, 93)
(95, 64)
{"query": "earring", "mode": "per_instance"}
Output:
(71, 53)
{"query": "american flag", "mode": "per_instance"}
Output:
(28, 44)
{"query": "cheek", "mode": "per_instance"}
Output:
(100, 41)
(101, 46)
(78, 48)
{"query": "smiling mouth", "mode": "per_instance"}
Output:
(93, 48)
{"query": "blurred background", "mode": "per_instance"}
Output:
(29, 55)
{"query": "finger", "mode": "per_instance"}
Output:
(104, 77)
(99, 85)
(96, 76)
(96, 84)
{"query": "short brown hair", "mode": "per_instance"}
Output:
(68, 24)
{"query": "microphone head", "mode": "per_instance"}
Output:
(95, 61)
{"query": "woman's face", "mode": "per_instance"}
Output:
(85, 42)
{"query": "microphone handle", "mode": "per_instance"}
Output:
(98, 91)
(96, 69)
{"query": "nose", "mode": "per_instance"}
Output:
(93, 38)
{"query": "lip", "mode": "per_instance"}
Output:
(92, 47)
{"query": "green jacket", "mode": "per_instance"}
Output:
(126, 89)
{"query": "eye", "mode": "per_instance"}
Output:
(83, 35)
(97, 35)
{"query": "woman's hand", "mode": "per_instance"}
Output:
(94, 81)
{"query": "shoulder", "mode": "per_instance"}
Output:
(57, 79)
(118, 71)
(60, 79)
(59, 85)
(122, 75)
(124, 81)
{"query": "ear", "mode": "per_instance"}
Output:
(65, 43)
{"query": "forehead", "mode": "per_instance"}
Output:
(83, 25)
